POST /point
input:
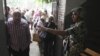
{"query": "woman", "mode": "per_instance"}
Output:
(77, 33)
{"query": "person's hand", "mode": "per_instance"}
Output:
(42, 28)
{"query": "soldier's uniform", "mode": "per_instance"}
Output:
(77, 34)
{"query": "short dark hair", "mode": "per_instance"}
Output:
(7, 8)
(16, 12)
(51, 18)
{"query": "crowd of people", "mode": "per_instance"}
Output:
(19, 23)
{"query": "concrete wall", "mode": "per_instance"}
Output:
(93, 24)
(60, 22)
(3, 46)
(61, 13)
(70, 4)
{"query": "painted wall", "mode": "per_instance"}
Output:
(3, 45)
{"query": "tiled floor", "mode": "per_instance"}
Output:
(34, 49)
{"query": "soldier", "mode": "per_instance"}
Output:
(77, 33)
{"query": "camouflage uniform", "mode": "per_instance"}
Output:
(77, 34)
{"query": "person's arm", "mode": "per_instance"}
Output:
(54, 31)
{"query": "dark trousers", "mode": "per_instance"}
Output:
(9, 51)
(20, 52)
(49, 47)
(41, 46)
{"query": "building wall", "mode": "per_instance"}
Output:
(60, 22)
(70, 4)
(3, 45)
(61, 13)
(93, 24)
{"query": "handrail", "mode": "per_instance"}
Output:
(90, 52)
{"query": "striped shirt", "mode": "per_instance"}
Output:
(19, 35)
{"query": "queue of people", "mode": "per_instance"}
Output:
(19, 24)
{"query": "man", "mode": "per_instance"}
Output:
(7, 15)
(41, 22)
(49, 40)
(19, 36)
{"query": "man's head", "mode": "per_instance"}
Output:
(23, 12)
(51, 18)
(7, 9)
(76, 14)
(42, 19)
(32, 12)
(17, 16)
